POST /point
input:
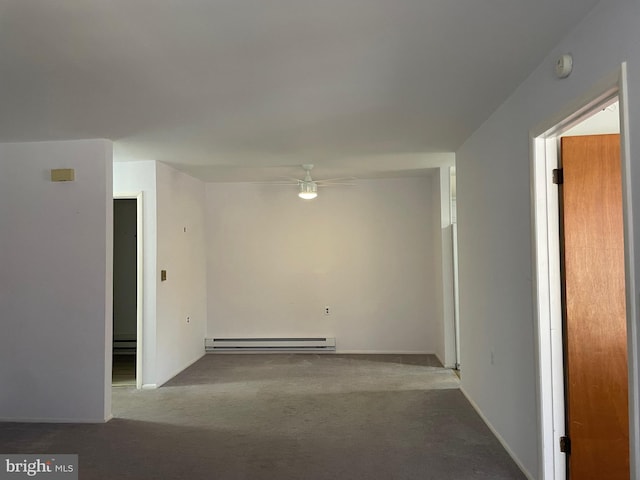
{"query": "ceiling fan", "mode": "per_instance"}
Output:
(308, 187)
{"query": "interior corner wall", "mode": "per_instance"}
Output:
(275, 261)
(130, 178)
(494, 223)
(181, 312)
(55, 277)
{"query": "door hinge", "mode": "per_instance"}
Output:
(565, 445)
(558, 176)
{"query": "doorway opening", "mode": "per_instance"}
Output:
(549, 282)
(453, 215)
(127, 291)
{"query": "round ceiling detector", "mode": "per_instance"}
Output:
(564, 65)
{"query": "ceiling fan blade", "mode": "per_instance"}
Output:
(338, 179)
(335, 184)
(276, 183)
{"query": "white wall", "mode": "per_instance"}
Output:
(181, 312)
(55, 282)
(494, 221)
(275, 261)
(130, 178)
(173, 202)
(446, 247)
(443, 261)
(438, 288)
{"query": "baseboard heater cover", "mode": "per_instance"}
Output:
(237, 345)
(124, 347)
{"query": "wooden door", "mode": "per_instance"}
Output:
(595, 313)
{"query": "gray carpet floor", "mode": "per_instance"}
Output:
(284, 417)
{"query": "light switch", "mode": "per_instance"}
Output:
(163, 275)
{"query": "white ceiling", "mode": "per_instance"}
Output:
(357, 87)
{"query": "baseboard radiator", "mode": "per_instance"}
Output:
(266, 345)
(124, 347)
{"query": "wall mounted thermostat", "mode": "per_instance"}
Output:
(564, 65)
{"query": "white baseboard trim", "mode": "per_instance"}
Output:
(54, 420)
(444, 364)
(497, 435)
(149, 386)
(383, 352)
(179, 370)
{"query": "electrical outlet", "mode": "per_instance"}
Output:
(327, 310)
(188, 319)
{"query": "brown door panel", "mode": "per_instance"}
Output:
(595, 316)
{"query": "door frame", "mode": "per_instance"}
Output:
(139, 281)
(453, 219)
(546, 273)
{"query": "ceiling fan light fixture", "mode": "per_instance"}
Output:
(308, 190)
